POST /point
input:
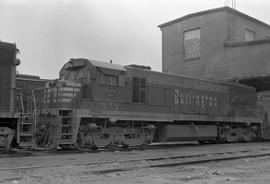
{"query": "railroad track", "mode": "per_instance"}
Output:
(119, 163)
(4, 153)
(178, 160)
(154, 162)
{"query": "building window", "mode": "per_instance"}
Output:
(250, 35)
(192, 45)
(139, 90)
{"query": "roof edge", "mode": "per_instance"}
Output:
(224, 8)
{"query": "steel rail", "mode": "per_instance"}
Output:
(170, 161)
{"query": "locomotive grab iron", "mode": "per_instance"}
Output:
(95, 104)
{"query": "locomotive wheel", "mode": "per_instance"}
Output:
(246, 138)
(103, 139)
(133, 137)
(6, 137)
(245, 135)
(231, 137)
(228, 135)
(131, 141)
(4, 141)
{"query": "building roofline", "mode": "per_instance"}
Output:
(225, 8)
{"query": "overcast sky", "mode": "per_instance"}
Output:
(49, 32)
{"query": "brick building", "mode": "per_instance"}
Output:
(219, 44)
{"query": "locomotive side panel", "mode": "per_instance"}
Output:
(157, 96)
(186, 132)
(264, 102)
(108, 93)
(242, 101)
(7, 76)
(152, 92)
(192, 96)
(193, 101)
(8, 118)
(25, 82)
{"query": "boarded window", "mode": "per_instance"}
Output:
(250, 35)
(139, 90)
(192, 45)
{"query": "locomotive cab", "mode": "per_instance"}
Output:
(98, 79)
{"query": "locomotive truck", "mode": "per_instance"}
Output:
(94, 104)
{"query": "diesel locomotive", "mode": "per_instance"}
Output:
(94, 104)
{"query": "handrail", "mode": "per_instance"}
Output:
(35, 110)
(234, 99)
(75, 86)
(77, 82)
(21, 100)
(80, 79)
(18, 91)
(53, 95)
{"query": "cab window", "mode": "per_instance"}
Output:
(139, 90)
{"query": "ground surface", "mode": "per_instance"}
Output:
(95, 167)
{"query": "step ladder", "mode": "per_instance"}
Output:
(25, 131)
(26, 126)
(66, 131)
